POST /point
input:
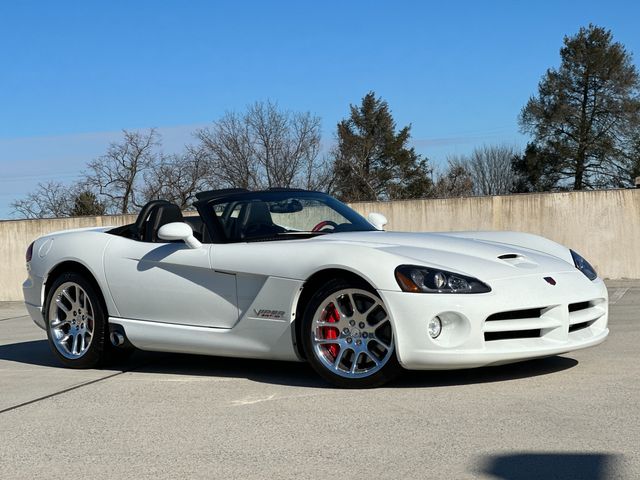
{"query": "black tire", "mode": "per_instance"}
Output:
(96, 352)
(389, 370)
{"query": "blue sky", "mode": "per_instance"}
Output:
(73, 74)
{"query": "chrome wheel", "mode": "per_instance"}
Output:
(71, 320)
(351, 333)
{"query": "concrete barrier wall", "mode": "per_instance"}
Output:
(16, 235)
(604, 226)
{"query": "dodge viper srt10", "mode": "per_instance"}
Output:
(296, 275)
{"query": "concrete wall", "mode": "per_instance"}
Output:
(604, 226)
(16, 235)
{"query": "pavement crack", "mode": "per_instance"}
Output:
(75, 387)
(55, 394)
(13, 318)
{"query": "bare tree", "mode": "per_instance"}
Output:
(319, 176)
(48, 200)
(179, 177)
(116, 175)
(490, 167)
(229, 147)
(55, 199)
(284, 143)
(455, 181)
(265, 147)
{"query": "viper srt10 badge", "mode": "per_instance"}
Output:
(271, 314)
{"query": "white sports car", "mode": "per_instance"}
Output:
(296, 275)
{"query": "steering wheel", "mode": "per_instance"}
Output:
(322, 224)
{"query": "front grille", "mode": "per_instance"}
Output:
(514, 324)
(516, 314)
(548, 321)
(511, 335)
(576, 307)
(579, 326)
(584, 314)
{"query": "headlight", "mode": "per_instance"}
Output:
(417, 279)
(584, 266)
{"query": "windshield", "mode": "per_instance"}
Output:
(285, 215)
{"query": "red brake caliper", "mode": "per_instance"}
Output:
(328, 333)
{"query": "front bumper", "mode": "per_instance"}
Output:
(570, 315)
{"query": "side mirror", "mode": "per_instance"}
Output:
(179, 231)
(378, 220)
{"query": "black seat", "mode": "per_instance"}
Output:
(199, 228)
(138, 228)
(159, 214)
(255, 220)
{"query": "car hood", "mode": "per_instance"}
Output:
(486, 255)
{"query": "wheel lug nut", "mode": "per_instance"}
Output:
(361, 325)
(358, 342)
(345, 331)
(349, 340)
(365, 334)
(352, 322)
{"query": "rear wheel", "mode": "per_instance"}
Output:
(76, 322)
(347, 336)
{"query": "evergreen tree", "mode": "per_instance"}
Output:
(536, 170)
(586, 114)
(87, 204)
(372, 161)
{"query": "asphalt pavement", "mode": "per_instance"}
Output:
(575, 416)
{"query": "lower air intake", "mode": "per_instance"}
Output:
(491, 336)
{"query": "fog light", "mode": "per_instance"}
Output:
(435, 327)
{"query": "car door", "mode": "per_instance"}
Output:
(169, 282)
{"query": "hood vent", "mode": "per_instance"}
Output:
(517, 260)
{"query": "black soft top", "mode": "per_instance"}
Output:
(243, 193)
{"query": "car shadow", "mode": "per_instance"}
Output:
(37, 353)
(502, 373)
(550, 466)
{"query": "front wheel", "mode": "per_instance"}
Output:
(347, 336)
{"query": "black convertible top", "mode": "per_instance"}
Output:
(225, 192)
(210, 194)
(215, 225)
